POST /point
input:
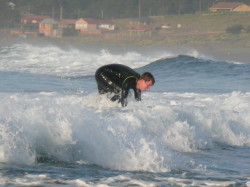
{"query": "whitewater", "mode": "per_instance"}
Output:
(191, 129)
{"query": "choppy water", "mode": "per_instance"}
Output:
(191, 129)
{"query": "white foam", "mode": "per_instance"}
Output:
(52, 60)
(157, 181)
(142, 136)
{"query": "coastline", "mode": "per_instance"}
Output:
(220, 51)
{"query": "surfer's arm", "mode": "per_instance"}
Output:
(124, 94)
(137, 94)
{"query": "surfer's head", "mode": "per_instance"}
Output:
(145, 81)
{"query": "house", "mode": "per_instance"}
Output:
(93, 26)
(106, 25)
(165, 26)
(31, 22)
(67, 23)
(49, 28)
(230, 7)
(85, 25)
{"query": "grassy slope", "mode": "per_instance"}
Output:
(200, 30)
(196, 29)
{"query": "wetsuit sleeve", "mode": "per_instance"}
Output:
(137, 94)
(124, 94)
(125, 91)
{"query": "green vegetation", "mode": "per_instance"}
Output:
(12, 10)
(70, 32)
(196, 29)
(235, 29)
(247, 29)
(190, 21)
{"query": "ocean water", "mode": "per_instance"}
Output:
(191, 129)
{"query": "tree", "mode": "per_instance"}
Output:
(235, 29)
(106, 9)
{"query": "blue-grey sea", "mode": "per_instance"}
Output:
(191, 129)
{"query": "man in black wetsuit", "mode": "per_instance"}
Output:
(118, 79)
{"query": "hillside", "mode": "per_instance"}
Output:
(195, 29)
(203, 32)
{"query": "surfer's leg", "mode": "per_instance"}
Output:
(116, 97)
(104, 90)
(101, 83)
(103, 86)
(101, 90)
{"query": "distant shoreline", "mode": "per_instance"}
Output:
(222, 51)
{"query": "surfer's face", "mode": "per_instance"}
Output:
(143, 85)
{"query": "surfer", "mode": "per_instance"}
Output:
(118, 79)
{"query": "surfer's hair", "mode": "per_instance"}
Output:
(148, 77)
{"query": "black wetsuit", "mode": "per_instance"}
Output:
(117, 79)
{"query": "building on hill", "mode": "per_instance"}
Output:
(230, 7)
(31, 22)
(106, 25)
(67, 23)
(93, 26)
(86, 27)
(49, 28)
